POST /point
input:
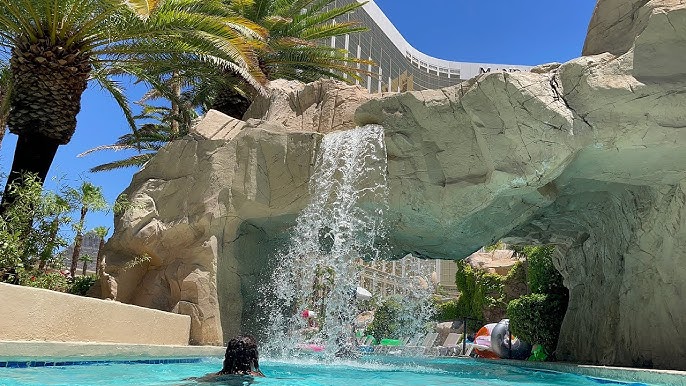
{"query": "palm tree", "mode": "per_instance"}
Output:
(148, 138)
(101, 232)
(86, 258)
(88, 197)
(56, 47)
(57, 207)
(293, 50)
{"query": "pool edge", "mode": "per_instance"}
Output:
(625, 374)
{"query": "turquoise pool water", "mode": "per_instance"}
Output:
(368, 371)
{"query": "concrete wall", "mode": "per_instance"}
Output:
(38, 314)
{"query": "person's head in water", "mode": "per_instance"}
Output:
(241, 357)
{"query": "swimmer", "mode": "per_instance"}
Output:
(241, 358)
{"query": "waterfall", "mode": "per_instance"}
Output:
(343, 222)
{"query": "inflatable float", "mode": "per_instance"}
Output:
(493, 341)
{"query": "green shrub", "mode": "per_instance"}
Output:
(29, 233)
(537, 318)
(52, 280)
(515, 284)
(395, 318)
(82, 284)
(481, 293)
(543, 277)
(446, 311)
(386, 322)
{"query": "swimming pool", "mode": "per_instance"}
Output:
(300, 372)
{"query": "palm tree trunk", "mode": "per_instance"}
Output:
(75, 254)
(34, 154)
(77, 242)
(100, 260)
(85, 265)
(175, 108)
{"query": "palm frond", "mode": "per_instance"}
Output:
(144, 8)
(133, 161)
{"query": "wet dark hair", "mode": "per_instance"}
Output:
(241, 356)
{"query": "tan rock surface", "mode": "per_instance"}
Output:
(322, 106)
(190, 204)
(498, 261)
(616, 23)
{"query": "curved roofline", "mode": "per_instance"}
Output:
(465, 69)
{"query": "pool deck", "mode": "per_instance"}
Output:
(37, 350)
(625, 374)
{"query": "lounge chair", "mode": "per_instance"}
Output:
(423, 347)
(398, 350)
(387, 344)
(467, 349)
(450, 346)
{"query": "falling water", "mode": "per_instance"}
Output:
(342, 223)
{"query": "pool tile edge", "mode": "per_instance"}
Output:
(625, 374)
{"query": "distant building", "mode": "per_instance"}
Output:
(396, 277)
(401, 67)
(400, 277)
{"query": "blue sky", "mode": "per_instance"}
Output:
(526, 32)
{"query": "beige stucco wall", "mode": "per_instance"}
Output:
(38, 314)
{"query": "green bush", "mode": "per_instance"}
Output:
(446, 311)
(515, 284)
(386, 322)
(52, 280)
(481, 293)
(29, 232)
(537, 318)
(82, 284)
(543, 277)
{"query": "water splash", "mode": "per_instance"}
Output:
(342, 223)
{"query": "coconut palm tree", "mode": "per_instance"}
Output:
(294, 49)
(56, 47)
(87, 197)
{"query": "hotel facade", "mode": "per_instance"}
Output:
(401, 67)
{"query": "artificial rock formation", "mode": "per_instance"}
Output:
(200, 206)
(588, 155)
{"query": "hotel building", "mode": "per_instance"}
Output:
(401, 67)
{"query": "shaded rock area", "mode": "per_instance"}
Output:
(588, 155)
